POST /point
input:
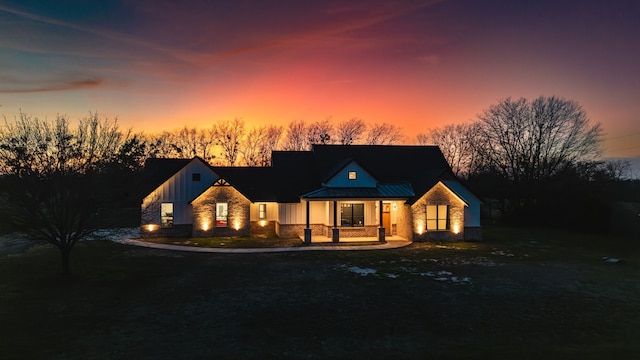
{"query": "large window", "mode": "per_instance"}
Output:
(437, 217)
(166, 214)
(262, 211)
(221, 214)
(352, 214)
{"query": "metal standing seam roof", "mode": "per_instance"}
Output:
(381, 191)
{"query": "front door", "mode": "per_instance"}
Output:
(386, 218)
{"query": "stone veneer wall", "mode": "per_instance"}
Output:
(150, 213)
(404, 222)
(204, 215)
(268, 228)
(366, 231)
(297, 230)
(438, 195)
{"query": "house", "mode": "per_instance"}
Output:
(331, 191)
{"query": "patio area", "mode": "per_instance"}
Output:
(361, 239)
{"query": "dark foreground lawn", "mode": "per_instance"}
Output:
(519, 294)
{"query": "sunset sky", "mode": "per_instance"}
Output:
(163, 64)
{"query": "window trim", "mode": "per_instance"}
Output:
(441, 215)
(222, 220)
(352, 218)
(262, 211)
(166, 218)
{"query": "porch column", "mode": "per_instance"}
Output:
(307, 230)
(381, 229)
(335, 232)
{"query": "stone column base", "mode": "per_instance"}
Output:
(307, 235)
(381, 234)
(335, 235)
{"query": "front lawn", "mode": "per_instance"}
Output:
(525, 294)
(230, 242)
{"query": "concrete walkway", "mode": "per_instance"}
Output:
(391, 244)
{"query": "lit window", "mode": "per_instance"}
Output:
(262, 211)
(195, 177)
(437, 217)
(166, 211)
(352, 215)
(352, 175)
(221, 214)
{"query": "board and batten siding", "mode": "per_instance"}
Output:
(272, 211)
(341, 178)
(295, 213)
(321, 212)
(472, 210)
(179, 189)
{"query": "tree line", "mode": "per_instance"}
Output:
(29, 145)
(535, 161)
(232, 143)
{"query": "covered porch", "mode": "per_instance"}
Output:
(356, 214)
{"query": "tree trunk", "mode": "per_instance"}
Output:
(64, 256)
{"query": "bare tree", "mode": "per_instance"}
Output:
(320, 132)
(182, 143)
(251, 145)
(349, 132)
(59, 209)
(228, 135)
(259, 143)
(96, 140)
(384, 134)
(55, 179)
(27, 145)
(528, 142)
(458, 145)
(296, 137)
(617, 169)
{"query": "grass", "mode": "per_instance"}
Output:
(254, 241)
(521, 293)
(230, 242)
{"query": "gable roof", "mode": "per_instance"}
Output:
(158, 170)
(352, 165)
(255, 183)
(387, 163)
(402, 171)
(421, 166)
